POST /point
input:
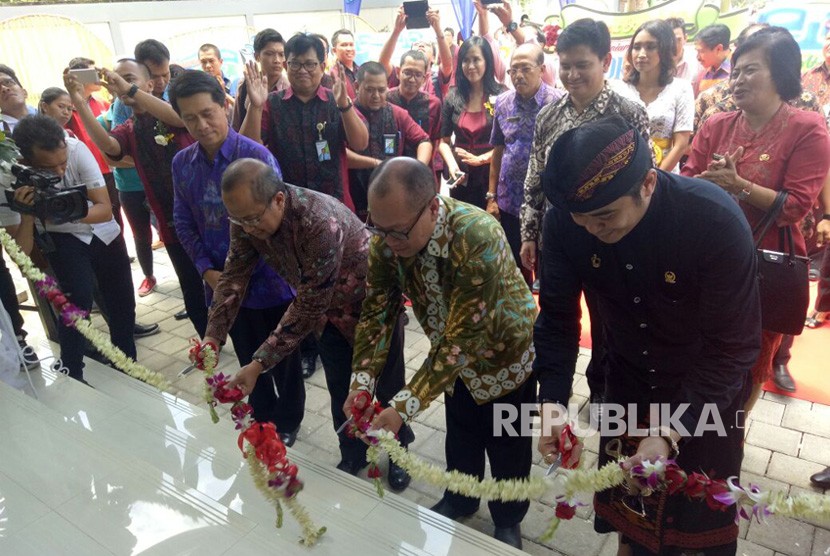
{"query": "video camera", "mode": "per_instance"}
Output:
(56, 205)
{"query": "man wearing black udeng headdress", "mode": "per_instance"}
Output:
(672, 264)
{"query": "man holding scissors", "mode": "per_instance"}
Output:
(320, 248)
(467, 293)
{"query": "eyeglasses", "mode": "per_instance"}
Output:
(251, 221)
(400, 236)
(524, 70)
(409, 74)
(308, 66)
(8, 83)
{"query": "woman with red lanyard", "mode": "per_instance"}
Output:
(468, 112)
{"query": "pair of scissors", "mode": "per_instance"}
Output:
(555, 465)
(345, 424)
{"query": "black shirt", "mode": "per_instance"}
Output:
(678, 297)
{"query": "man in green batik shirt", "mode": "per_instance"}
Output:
(452, 260)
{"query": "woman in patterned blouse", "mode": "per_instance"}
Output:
(468, 112)
(669, 101)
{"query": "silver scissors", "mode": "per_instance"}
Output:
(555, 465)
(344, 425)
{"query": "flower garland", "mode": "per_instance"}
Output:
(660, 475)
(273, 474)
(265, 452)
(73, 316)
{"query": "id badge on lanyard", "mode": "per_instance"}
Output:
(323, 149)
(390, 143)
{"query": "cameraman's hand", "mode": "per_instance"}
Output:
(25, 195)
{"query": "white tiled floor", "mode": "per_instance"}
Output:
(123, 469)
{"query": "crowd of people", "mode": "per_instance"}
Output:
(301, 209)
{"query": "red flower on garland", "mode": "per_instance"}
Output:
(269, 448)
(565, 510)
(696, 484)
(713, 489)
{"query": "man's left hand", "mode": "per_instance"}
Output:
(341, 94)
(650, 449)
(246, 378)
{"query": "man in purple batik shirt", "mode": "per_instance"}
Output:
(513, 124)
(203, 228)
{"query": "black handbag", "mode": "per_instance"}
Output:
(782, 277)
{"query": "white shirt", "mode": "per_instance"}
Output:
(82, 169)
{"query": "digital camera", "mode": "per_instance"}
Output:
(51, 203)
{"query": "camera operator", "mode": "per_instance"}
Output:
(86, 249)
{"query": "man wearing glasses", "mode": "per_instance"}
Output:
(430, 82)
(307, 127)
(477, 311)
(321, 248)
(202, 227)
(423, 107)
(514, 119)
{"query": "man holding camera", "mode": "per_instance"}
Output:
(85, 250)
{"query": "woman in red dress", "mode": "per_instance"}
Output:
(764, 147)
(468, 113)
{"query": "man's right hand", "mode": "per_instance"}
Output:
(400, 21)
(554, 421)
(212, 278)
(74, 87)
(528, 255)
(256, 83)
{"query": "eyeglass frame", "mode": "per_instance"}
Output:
(524, 70)
(394, 234)
(302, 65)
(253, 221)
(410, 74)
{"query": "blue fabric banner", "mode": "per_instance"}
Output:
(465, 13)
(351, 7)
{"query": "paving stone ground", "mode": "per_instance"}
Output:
(787, 439)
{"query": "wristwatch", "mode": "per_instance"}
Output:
(489, 196)
(512, 26)
(825, 216)
(133, 90)
(346, 108)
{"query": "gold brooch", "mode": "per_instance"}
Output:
(764, 157)
(670, 277)
(595, 261)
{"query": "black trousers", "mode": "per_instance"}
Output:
(336, 354)
(782, 356)
(77, 267)
(135, 207)
(193, 289)
(512, 229)
(279, 394)
(470, 437)
(595, 372)
(8, 296)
